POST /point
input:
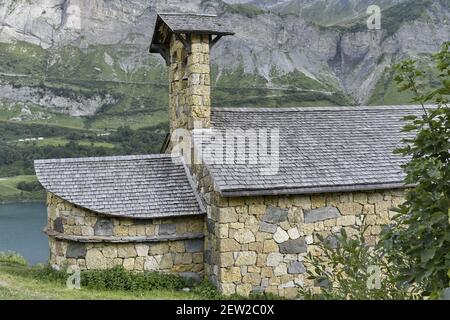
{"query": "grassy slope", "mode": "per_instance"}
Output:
(386, 91)
(9, 191)
(16, 285)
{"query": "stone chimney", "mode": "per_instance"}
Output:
(184, 40)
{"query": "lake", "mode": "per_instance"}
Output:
(21, 226)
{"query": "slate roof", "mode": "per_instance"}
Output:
(143, 187)
(186, 23)
(198, 23)
(321, 149)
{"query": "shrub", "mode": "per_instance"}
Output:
(346, 271)
(420, 233)
(29, 186)
(12, 258)
(118, 278)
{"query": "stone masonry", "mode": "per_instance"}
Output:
(79, 237)
(258, 244)
(189, 78)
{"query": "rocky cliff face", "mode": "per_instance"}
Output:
(347, 58)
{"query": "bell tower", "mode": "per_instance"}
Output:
(185, 40)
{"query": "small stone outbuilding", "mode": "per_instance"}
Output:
(245, 223)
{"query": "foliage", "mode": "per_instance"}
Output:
(118, 278)
(421, 232)
(17, 158)
(43, 283)
(346, 271)
(12, 258)
(29, 186)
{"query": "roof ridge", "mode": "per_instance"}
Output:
(109, 158)
(188, 14)
(326, 108)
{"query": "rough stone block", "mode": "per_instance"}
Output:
(321, 214)
(110, 251)
(270, 246)
(58, 225)
(103, 227)
(194, 245)
(167, 229)
(76, 250)
(142, 250)
(296, 268)
(267, 227)
(232, 274)
(126, 251)
(228, 215)
(280, 270)
(245, 258)
(275, 215)
(244, 289)
(95, 260)
(151, 264)
(227, 245)
(274, 259)
(244, 236)
(280, 235)
(293, 246)
(294, 233)
(346, 221)
(159, 248)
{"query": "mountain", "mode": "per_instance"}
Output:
(85, 63)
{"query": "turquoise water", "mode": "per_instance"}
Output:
(21, 227)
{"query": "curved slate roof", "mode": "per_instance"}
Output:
(143, 187)
(321, 149)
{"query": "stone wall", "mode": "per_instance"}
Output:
(91, 241)
(258, 244)
(189, 79)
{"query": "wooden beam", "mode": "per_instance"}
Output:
(163, 50)
(185, 41)
(213, 42)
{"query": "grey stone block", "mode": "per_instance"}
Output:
(267, 227)
(257, 290)
(167, 229)
(194, 245)
(275, 215)
(293, 246)
(208, 257)
(103, 227)
(210, 225)
(296, 268)
(58, 225)
(76, 250)
(321, 214)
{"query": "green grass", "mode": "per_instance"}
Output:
(9, 191)
(17, 284)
